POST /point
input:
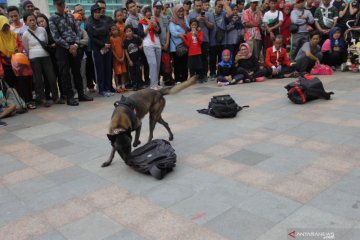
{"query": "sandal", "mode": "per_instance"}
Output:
(31, 106)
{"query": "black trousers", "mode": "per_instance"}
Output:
(66, 61)
(259, 73)
(23, 85)
(146, 67)
(135, 74)
(180, 67)
(214, 57)
(90, 72)
(284, 70)
(43, 71)
(305, 64)
(334, 58)
(204, 59)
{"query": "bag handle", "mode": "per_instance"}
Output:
(41, 42)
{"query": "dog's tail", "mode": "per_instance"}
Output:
(177, 88)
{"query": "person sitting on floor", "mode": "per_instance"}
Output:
(248, 65)
(277, 62)
(334, 48)
(309, 53)
(226, 70)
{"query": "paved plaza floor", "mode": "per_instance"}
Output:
(274, 169)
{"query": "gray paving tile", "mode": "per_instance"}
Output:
(9, 164)
(247, 157)
(6, 195)
(87, 154)
(270, 206)
(239, 224)
(40, 131)
(86, 184)
(166, 196)
(349, 183)
(212, 201)
(95, 226)
(125, 235)
(52, 235)
(9, 138)
(56, 144)
(338, 202)
(11, 211)
(68, 174)
(266, 148)
(31, 187)
(67, 150)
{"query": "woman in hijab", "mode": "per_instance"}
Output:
(98, 30)
(285, 27)
(334, 48)
(178, 29)
(248, 65)
(10, 43)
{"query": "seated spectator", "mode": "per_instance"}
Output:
(309, 53)
(277, 61)
(334, 48)
(248, 65)
(226, 70)
(40, 60)
(347, 11)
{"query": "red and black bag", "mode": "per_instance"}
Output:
(305, 89)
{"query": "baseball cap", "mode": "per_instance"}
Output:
(158, 3)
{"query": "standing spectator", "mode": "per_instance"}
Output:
(309, 53)
(252, 20)
(284, 29)
(28, 7)
(347, 11)
(234, 32)
(117, 41)
(273, 20)
(36, 11)
(205, 5)
(302, 18)
(240, 5)
(326, 16)
(193, 41)
(66, 35)
(311, 6)
(334, 49)
(187, 7)
(206, 23)
(98, 31)
(178, 29)
(216, 43)
(79, 9)
(164, 41)
(16, 25)
(149, 30)
(2, 10)
(278, 62)
(40, 60)
(10, 43)
(132, 46)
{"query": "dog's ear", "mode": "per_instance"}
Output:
(111, 137)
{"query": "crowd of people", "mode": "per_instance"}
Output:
(232, 43)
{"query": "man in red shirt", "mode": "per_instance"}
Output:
(277, 61)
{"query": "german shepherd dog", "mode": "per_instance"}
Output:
(129, 112)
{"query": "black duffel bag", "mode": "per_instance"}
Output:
(222, 106)
(156, 158)
(305, 89)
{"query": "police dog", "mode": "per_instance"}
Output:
(129, 112)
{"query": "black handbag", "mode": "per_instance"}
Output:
(181, 49)
(293, 28)
(44, 45)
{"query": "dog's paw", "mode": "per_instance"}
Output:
(137, 143)
(105, 164)
(171, 138)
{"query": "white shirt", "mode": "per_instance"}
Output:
(32, 46)
(147, 40)
(269, 16)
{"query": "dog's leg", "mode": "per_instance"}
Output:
(151, 126)
(137, 135)
(166, 125)
(108, 162)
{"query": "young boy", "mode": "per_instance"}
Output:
(132, 46)
(277, 61)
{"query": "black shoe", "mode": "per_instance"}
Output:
(85, 98)
(2, 124)
(72, 102)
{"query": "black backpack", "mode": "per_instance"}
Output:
(305, 89)
(222, 106)
(156, 158)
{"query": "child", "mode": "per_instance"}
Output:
(193, 41)
(334, 49)
(118, 59)
(226, 70)
(132, 46)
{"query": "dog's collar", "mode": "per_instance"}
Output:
(126, 102)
